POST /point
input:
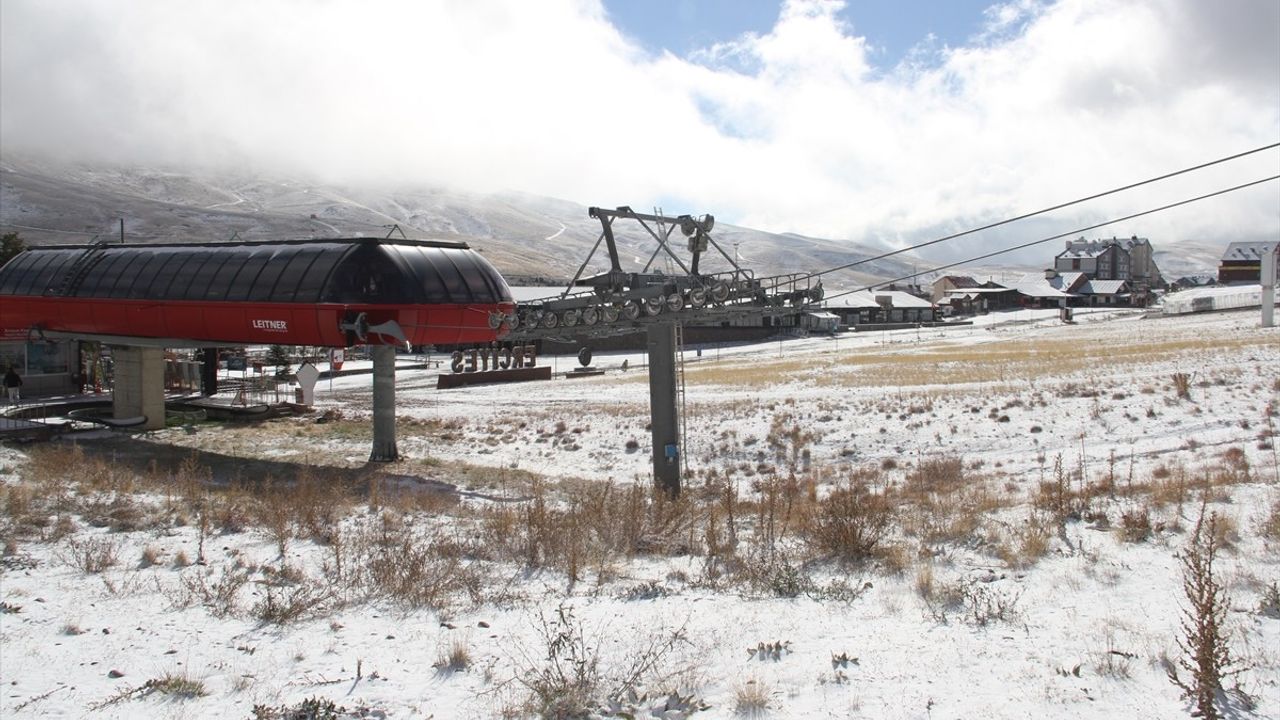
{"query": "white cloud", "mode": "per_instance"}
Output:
(792, 130)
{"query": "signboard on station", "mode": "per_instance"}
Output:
(493, 364)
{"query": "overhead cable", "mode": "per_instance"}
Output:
(1059, 206)
(1059, 236)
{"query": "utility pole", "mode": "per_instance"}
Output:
(1267, 277)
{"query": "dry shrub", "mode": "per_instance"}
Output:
(780, 507)
(1206, 656)
(751, 699)
(1234, 468)
(272, 509)
(92, 554)
(414, 568)
(1181, 385)
(150, 557)
(568, 676)
(941, 503)
(590, 525)
(26, 512)
(1065, 496)
(935, 476)
(290, 597)
(219, 593)
(1271, 523)
(1028, 543)
(924, 584)
(850, 522)
(120, 512)
(1171, 487)
(974, 602)
(454, 656)
(1135, 525)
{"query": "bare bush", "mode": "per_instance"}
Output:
(1135, 525)
(413, 568)
(220, 594)
(850, 522)
(571, 680)
(974, 601)
(1181, 385)
(92, 554)
(286, 602)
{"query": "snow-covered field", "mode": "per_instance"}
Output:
(1043, 478)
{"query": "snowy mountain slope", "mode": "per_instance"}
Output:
(522, 234)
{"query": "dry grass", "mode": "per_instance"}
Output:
(751, 699)
(941, 502)
(454, 656)
(1008, 364)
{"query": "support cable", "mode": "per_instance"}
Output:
(1059, 206)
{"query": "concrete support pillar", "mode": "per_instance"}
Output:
(138, 388)
(663, 413)
(384, 404)
(1268, 278)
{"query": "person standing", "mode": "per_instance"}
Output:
(13, 385)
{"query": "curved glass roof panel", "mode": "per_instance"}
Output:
(349, 271)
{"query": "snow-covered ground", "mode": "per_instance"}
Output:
(1015, 616)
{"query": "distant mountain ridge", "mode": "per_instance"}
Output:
(524, 235)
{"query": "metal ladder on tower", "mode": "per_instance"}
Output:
(680, 399)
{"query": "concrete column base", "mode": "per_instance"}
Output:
(384, 404)
(138, 388)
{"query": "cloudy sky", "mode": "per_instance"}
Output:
(870, 120)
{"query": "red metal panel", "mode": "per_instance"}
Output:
(243, 323)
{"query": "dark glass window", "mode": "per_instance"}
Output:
(226, 274)
(474, 275)
(14, 272)
(316, 278)
(51, 276)
(126, 274)
(367, 275)
(248, 275)
(271, 271)
(183, 279)
(295, 270)
(205, 276)
(38, 275)
(425, 274)
(454, 286)
(143, 274)
(162, 276)
(102, 277)
(497, 285)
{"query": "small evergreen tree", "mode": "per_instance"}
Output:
(279, 356)
(10, 244)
